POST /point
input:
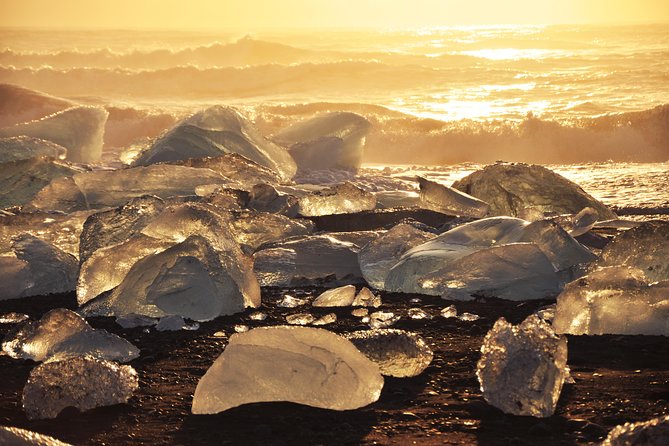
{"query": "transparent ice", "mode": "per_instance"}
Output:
(441, 198)
(345, 198)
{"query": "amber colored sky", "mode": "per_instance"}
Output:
(285, 14)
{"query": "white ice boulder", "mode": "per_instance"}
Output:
(303, 365)
(522, 368)
(447, 200)
(345, 198)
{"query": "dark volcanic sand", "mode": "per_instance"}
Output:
(618, 379)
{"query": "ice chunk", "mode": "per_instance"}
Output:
(469, 317)
(82, 382)
(326, 319)
(258, 316)
(236, 167)
(360, 312)
(13, 436)
(653, 432)
(398, 353)
(645, 247)
(313, 260)
(449, 312)
(336, 297)
(329, 141)
(135, 320)
(62, 331)
(516, 189)
(173, 322)
(24, 147)
(239, 328)
(613, 300)
(111, 188)
(365, 298)
(303, 365)
(300, 319)
(345, 198)
(13, 318)
(255, 229)
(522, 368)
(265, 198)
(447, 200)
(397, 199)
(289, 301)
(380, 255)
(78, 129)
(214, 132)
(383, 319)
(418, 314)
(580, 223)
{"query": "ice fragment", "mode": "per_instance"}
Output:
(336, 297)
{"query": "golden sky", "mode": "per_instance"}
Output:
(285, 14)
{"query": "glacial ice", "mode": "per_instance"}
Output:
(83, 382)
(24, 147)
(254, 229)
(135, 320)
(316, 259)
(258, 316)
(578, 224)
(449, 312)
(418, 314)
(326, 319)
(468, 317)
(289, 301)
(78, 129)
(521, 189)
(13, 318)
(173, 322)
(303, 365)
(522, 368)
(653, 432)
(613, 300)
(645, 247)
(365, 298)
(336, 297)
(13, 436)
(380, 255)
(398, 353)
(240, 169)
(214, 132)
(345, 198)
(447, 200)
(265, 198)
(300, 318)
(328, 141)
(397, 199)
(383, 319)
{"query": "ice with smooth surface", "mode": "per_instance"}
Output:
(61, 331)
(303, 365)
(381, 254)
(366, 298)
(441, 198)
(328, 141)
(214, 132)
(345, 198)
(255, 229)
(336, 297)
(653, 432)
(613, 300)
(83, 382)
(578, 224)
(520, 189)
(310, 260)
(398, 353)
(522, 368)
(24, 147)
(13, 436)
(79, 129)
(645, 247)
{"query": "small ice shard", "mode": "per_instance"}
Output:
(216, 131)
(444, 199)
(303, 365)
(468, 317)
(380, 255)
(265, 198)
(336, 297)
(192, 327)
(645, 247)
(653, 432)
(360, 312)
(382, 319)
(415, 300)
(289, 301)
(325, 319)
(258, 316)
(397, 199)
(308, 260)
(135, 320)
(449, 312)
(239, 328)
(515, 189)
(13, 436)
(13, 318)
(365, 298)
(300, 319)
(398, 353)
(522, 368)
(417, 314)
(547, 313)
(580, 223)
(328, 141)
(172, 322)
(219, 334)
(345, 198)
(24, 147)
(613, 300)
(62, 331)
(83, 382)
(78, 129)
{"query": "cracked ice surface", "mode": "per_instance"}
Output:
(61, 331)
(398, 353)
(344, 198)
(653, 432)
(447, 200)
(82, 382)
(13, 436)
(613, 300)
(303, 365)
(522, 368)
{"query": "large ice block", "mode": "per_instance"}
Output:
(18, 148)
(238, 168)
(613, 300)
(255, 229)
(653, 432)
(303, 365)
(441, 198)
(522, 368)
(518, 189)
(344, 198)
(82, 382)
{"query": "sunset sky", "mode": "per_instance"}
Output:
(283, 14)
